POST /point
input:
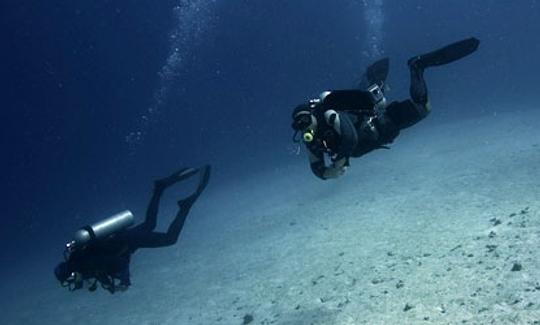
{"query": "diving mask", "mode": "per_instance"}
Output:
(306, 123)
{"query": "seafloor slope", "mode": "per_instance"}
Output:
(443, 228)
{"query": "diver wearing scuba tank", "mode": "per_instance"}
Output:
(100, 253)
(341, 124)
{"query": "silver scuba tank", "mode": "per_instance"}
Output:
(101, 229)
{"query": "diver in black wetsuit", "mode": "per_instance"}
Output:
(101, 253)
(350, 123)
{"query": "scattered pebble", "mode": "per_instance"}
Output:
(491, 248)
(377, 281)
(457, 247)
(248, 318)
(408, 307)
(516, 267)
(316, 281)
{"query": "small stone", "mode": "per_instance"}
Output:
(297, 307)
(407, 307)
(457, 247)
(400, 284)
(248, 318)
(516, 267)
(492, 234)
(377, 281)
(491, 248)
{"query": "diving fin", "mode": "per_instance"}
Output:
(376, 73)
(175, 177)
(204, 177)
(447, 54)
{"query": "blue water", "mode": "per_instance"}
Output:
(101, 97)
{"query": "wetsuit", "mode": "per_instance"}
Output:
(107, 261)
(352, 123)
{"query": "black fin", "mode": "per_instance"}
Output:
(447, 54)
(376, 73)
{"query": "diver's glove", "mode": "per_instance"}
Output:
(337, 168)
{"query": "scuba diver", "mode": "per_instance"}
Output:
(350, 123)
(100, 253)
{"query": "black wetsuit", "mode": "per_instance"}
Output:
(361, 130)
(107, 261)
(363, 124)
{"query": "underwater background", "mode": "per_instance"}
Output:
(102, 97)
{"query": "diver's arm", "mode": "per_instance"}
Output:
(316, 162)
(336, 169)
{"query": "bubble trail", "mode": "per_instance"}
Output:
(374, 20)
(192, 19)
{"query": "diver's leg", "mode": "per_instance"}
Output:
(157, 239)
(160, 185)
(418, 88)
(150, 221)
(444, 55)
(172, 234)
(154, 239)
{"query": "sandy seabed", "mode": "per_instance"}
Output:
(444, 228)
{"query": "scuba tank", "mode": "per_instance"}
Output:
(100, 230)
